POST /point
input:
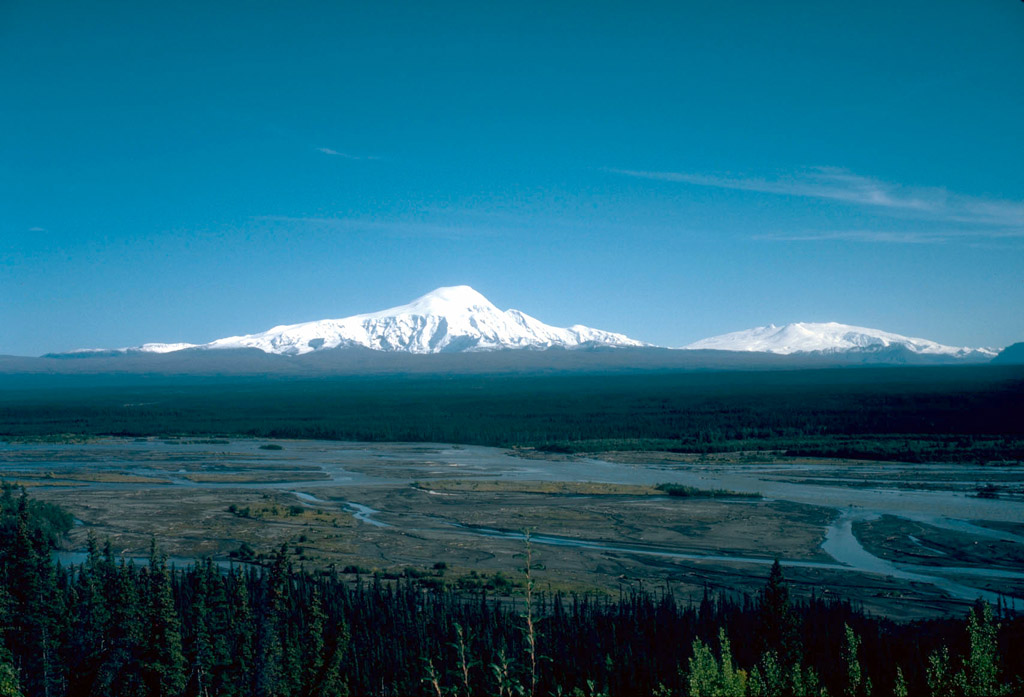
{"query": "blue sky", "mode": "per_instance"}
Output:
(667, 170)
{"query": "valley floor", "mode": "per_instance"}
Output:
(904, 540)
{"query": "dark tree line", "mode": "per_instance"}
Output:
(108, 627)
(917, 414)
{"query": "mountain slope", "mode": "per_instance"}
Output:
(447, 320)
(1011, 355)
(832, 337)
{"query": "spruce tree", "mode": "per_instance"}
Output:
(217, 626)
(91, 629)
(323, 651)
(163, 663)
(120, 672)
(778, 624)
(240, 676)
(35, 606)
(202, 653)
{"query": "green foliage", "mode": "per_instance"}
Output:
(942, 682)
(804, 682)
(9, 684)
(692, 492)
(978, 674)
(769, 679)
(711, 676)
(981, 666)
(589, 689)
(46, 521)
(857, 685)
(244, 551)
(506, 683)
(900, 688)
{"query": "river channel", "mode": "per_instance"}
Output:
(853, 499)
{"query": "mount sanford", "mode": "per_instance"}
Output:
(447, 320)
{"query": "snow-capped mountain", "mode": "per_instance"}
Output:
(451, 319)
(458, 319)
(831, 337)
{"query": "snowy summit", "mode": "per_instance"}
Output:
(829, 337)
(451, 319)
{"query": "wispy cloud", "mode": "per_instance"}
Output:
(344, 155)
(387, 228)
(835, 184)
(37, 229)
(896, 237)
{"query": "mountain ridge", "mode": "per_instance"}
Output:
(831, 337)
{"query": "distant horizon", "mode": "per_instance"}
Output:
(185, 343)
(670, 171)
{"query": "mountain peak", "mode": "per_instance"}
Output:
(445, 320)
(443, 300)
(829, 337)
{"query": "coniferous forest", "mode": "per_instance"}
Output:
(110, 627)
(942, 414)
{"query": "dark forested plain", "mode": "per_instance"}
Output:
(968, 413)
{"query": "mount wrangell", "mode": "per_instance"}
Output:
(457, 330)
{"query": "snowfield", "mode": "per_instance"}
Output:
(828, 337)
